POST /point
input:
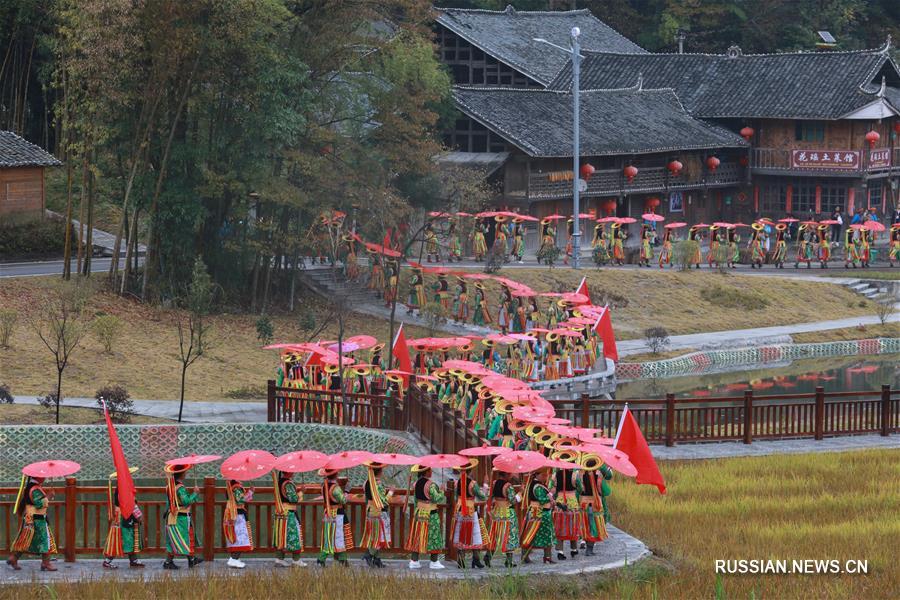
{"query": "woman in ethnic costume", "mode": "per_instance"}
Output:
(538, 531)
(442, 292)
(647, 236)
(715, 242)
(548, 241)
(34, 535)
(287, 532)
(894, 253)
(665, 253)
(482, 314)
(519, 240)
(416, 299)
(461, 301)
(695, 234)
(431, 244)
(236, 528)
(804, 247)
(850, 251)
(864, 247)
(377, 533)
(593, 528)
(618, 236)
(567, 515)
(479, 242)
(503, 534)
(780, 253)
(179, 523)
(376, 274)
(351, 263)
(734, 248)
(500, 237)
(124, 535)
(824, 232)
(600, 245)
(757, 254)
(426, 535)
(570, 230)
(337, 536)
(454, 250)
(469, 531)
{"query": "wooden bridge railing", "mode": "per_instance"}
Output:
(292, 405)
(78, 518)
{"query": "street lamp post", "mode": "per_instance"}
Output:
(575, 52)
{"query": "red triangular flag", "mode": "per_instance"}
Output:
(630, 440)
(583, 289)
(125, 483)
(401, 352)
(604, 328)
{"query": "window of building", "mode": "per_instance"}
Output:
(875, 193)
(460, 73)
(803, 198)
(773, 197)
(833, 196)
(809, 131)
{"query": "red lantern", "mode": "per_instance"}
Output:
(650, 204)
(897, 127)
(631, 172)
(872, 137)
(609, 206)
(587, 169)
(712, 163)
(675, 167)
(744, 161)
(747, 133)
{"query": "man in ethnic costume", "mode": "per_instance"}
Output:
(780, 253)
(124, 535)
(180, 539)
(591, 489)
(287, 532)
(426, 535)
(567, 514)
(35, 536)
(337, 536)
(235, 527)
(504, 530)
(377, 533)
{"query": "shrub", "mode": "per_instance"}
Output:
(118, 402)
(6, 396)
(307, 320)
(107, 328)
(729, 297)
(265, 331)
(48, 401)
(548, 255)
(8, 318)
(434, 315)
(683, 251)
(657, 338)
(32, 239)
(495, 258)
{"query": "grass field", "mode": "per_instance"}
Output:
(849, 333)
(11, 414)
(891, 275)
(814, 506)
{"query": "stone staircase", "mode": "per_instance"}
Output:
(871, 289)
(330, 285)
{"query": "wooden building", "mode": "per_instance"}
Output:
(22, 167)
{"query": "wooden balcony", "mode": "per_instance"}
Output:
(612, 182)
(852, 163)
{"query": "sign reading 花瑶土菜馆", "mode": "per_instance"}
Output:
(825, 159)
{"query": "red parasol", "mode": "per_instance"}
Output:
(874, 226)
(575, 298)
(616, 459)
(521, 461)
(443, 461)
(653, 217)
(246, 465)
(857, 226)
(363, 342)
(559, 464)
(194, 459)
(739, 224)
(301, 462)
(699, 225)
(463, 214)
(551, 420)
(608, 220)
(627, 220)
(332, 359)
(499, 338)
(395, 459)
(439, 214)
(485, 450)
(382, 250)
(346, 346)
(347, 459)
(51, 468)
(526, 413)
(487, 213)
(788, 220)
(830, 222)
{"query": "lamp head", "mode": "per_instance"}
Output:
(576, 31)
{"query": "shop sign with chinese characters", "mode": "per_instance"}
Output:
(825, 159)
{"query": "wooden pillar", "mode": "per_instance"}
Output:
(885, 410)
(585, 410)
(270, 401)
(448, 519)
(789, 198)
(670, 420)
(748, 417)
(818, 199)
(820, 413)
(756, 198)
(71, 512)
(851, 196)
(209, 518)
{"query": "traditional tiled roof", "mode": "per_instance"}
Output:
(508, 36)
(16, 152)
(613, 122)
(799, 85)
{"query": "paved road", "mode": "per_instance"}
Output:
(49, 267)
(764, 448)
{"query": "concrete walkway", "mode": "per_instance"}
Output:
(238, 411)
(618, 551)
(767, 447)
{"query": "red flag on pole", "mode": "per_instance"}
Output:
(630, 440)
(401, 352)
(583, 289)
(604, 329)
(126, 483)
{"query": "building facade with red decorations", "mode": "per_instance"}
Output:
(698, 136)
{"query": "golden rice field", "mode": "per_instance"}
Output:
(817, 506)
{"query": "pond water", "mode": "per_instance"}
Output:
(835, 374)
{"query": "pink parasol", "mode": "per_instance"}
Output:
(395, 459)
(538, 330)
(739, 224)
(487, 213)
(551, 421)
(363, 342)
(830, 222)
(443, 461)
(397, 372)
(555, 217)
(559, 464)
(522, 337)
(526, 413)
(439, 214)
(874, 226)
(485, 450)
(653, 217)
(566, 333)
(616, 459)
(788, 220)
(521, 461)
(499, 338)
(347, 459)
(346, 346)
(504, 382)
(194, 459)
(463, 214)
(426, 377)
(247, 464)
(378, 248)
(301, 462)
(699, 225)
(857, 226)
(574, 298)
(723, 224)
(332, 359)
(465, 365)
(51, 468)
(627, 220)
(608, 220)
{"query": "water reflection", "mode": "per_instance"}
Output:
(835, 374)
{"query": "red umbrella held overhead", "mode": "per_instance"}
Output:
(551, 420)
(443, 461)
(526, 413)
(51, 468)
(788, 220)
(194, 459)
(347, 459)
(555, 217)
(653, 217)
(396, 459)
(616, 459)
(379, 249)
(363, 342)
(857, 226)
(521, 461)
(830, 222)
(301, 462)
(463, 214)
(575, 298)
(608, 220)
(559, 464)
(627, 220)
(246, 465)
(874, 226)
(439, 215)
(485, 450)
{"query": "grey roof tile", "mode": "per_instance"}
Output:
(613, 122)
(17, 152)
(508, 36)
